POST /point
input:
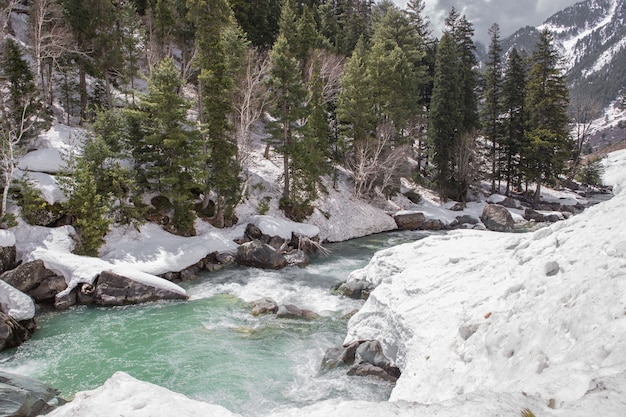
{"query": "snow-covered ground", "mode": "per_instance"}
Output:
(480, 323)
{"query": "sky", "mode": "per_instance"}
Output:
(509, 14)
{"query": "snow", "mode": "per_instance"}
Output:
(47, 185)
(272, 226)
(7, 238)
(43, 160)
(541, 313)
(155, 251)
(15, 303)
(122, 395)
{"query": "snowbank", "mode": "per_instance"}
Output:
(340, 216)
(542, 314)
(15, 303)
(122, 395)
(42, 160)
(82, 269)
(272, 226)
(7, 238)
(153, 250)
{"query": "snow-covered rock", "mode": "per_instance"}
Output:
(42, 160)
(15, 303)
(542, 314)
(123, 395)
(283, 228)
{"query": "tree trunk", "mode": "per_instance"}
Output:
(84, 98)
(286, 144)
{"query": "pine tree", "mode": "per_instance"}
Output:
(169, 147)
(86, 207)
(446, 120)
(21, 113)
(546, 101)
(288, 94)
(356, 107)
(514, 124)
(214, 58)
(492, 107)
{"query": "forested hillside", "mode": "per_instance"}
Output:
(169, 92)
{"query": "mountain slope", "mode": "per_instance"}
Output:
(591, 36)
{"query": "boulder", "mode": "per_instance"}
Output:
(357, 289)
(7, 258)
(259, 255)
(290, 311)
(367, 369)
(372, 358)
(66, 301)
(12, 333)
(115, 290)
(252, 232)
(497, 218)
(48, 289)
(409, 220)
(297, 257)
(26, 397)
(467, 219)
(28, 276)
(532, 215)
(433, 224)
(264, 306)
(339, 357)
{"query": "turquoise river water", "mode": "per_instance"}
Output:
(211, 348)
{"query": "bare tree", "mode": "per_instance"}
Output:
(584, 113)
(12, 132)
(5, 17)
(51, 38)
(250, 99)
(376, 162)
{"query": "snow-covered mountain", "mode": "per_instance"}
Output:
(591, 36)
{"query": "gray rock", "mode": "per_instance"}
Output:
(409, 221)
(290, 311)
(367, 369)
(66, 301)
(297, 258)
(48, 289)
(264, 306)
(12, 333)
(115, 290)
(27, 276)
(259, 255)
(339, 357)
(467, 219)
(25, 397)
(497, 218)
(433, 224)
(356, 289)
(7, 258)
(253, 232)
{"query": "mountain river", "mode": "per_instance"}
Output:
(211, 348)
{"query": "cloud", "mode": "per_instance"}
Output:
(509, 14)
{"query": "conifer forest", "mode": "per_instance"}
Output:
(170, 94)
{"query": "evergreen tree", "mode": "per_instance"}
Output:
(214, 58)
(514, 124)
(86, 207)
(446, 120)
(168, 145)
(21, 113)
(288, 94)
(259, 20)
(546, 101)
(492, 108)
(310, 159)
(356, 107)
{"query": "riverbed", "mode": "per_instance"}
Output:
(210, 347)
